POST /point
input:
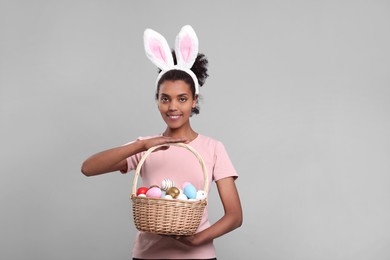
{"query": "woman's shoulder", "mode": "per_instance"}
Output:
(208, 141)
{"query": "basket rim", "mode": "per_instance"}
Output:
(183, 145)
(139, 198)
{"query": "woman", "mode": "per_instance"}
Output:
(177, 95)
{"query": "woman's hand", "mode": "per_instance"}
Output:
(148, 143)
(231, 220)
(191, 240)
(115, 159)
(187, 240)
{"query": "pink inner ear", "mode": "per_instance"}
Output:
(157, 50)
(186, 48)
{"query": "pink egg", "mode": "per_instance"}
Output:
(153, 192)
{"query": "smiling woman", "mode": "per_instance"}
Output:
(176, 103)
(199, 69)
(177, 91)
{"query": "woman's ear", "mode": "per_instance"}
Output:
(157, 103)
(195, 101)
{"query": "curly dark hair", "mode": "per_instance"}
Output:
(200, 70)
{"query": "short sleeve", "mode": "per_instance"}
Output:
(223, 166)
(133, 160)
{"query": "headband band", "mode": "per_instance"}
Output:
(186, 50)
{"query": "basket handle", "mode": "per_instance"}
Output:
(150, 150)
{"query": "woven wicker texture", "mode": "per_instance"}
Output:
(163, 216)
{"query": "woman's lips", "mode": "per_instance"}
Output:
(174, 117)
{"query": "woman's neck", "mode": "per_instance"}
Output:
(189, 133)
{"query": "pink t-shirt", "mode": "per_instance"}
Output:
(180, 165)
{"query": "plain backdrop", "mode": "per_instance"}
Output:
(298, 92)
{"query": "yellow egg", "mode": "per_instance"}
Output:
(173, 191)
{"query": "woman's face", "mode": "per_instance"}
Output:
(175, 103)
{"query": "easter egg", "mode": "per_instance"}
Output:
(190, 191)
(201, 195)
(168, 197)
(185, 184)
(173, 191)
(153, 192)
(142, 190)
(182, 197)
(163, 193)
(166, 184)
(142, 195)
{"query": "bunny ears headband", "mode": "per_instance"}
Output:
(186, 50)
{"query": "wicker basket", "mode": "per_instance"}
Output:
(163, 216)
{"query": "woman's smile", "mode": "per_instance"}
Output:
(174, 117)
(175, 102)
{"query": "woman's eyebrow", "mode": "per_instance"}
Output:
(180, 95)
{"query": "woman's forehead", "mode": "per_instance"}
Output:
(177, 87)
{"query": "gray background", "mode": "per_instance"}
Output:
(299, 94)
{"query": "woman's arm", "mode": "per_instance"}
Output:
(231, 220)
(115, 159)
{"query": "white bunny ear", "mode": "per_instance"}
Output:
(186, 47)
(157, 49)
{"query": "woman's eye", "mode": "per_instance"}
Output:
(183, 99)
(164, 99)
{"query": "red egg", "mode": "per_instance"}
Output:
(142, 190)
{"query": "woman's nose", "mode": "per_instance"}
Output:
(172, 105)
